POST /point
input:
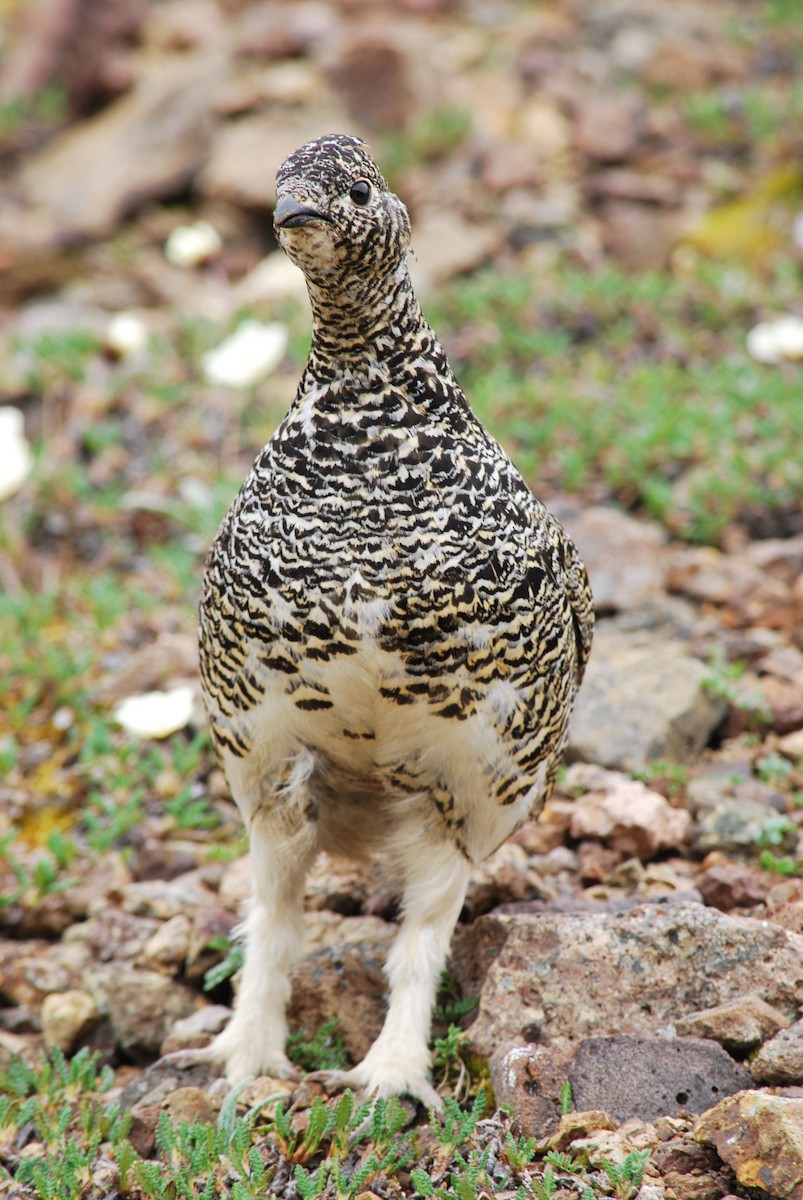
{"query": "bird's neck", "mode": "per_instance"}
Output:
(364, 324)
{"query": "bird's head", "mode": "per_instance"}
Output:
(335, 215)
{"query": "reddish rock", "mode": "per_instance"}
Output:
(579, 974)
(372, 78)
(607, 127)
(780, 1060)
(760, 1136)
(84, 45)
(739, 1026)
(728, 885)
(631, 819)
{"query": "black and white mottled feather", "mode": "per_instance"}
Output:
(393, 629)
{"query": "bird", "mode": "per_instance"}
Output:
(393, 629)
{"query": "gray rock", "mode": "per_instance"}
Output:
(579, 975)
(625, 558)
(241, 168)
(643, 699)
(141, 1005)
(652, 1077)
(780, 1060)
(198, 1029)
(739, 1025)
(149, 144)
(741, 825)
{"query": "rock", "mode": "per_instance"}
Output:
(168, 946)
(341, 981)
(577, 974)
(643, 699)
(196, 1030)
(639, 236)
(688, 1168)
(760, 1136)
(373, 77)
(529, 1080)
(780, 1060)
(576, 1126)
(241, 166)
(607, 127)
(746, 591)
(729, 885)
(86, 48)
(147, 145)
(739, 1026)
(161, 899)
(190, 1104)
(631, 819)
(142, 1005)
(740, 825)
(446, 244)
(791, 745)
(31, 970)
(652, 1077)
(209, 923)
(628, 1077)
(115, 934)
(624, 557)
(67, 1018)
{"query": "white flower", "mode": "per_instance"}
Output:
(15, 453)
(156, 714)
(126, 334)
(190, 245)
(772, 341)
(247, 356)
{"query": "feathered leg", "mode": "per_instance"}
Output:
(435, 881)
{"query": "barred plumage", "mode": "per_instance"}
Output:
(393, 629)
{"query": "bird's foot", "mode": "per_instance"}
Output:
(376, 1084)
(238, 1062)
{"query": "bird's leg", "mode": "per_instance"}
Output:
(435, 881)
(253, 1041)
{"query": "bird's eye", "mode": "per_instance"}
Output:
(360, 191)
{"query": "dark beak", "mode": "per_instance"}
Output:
(289, 214)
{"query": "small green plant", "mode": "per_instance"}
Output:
(783, 865)
(627, 1176)
(325, 1051)
(565, 1098)
(230, 964)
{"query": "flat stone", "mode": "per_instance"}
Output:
(343, 981)
(738, 1025)
(652, 1077)
(760, 1136)
(780, 1060)
(145, 146)
(579, 974)
(643, 699)
(625, 558)
(241, 166)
